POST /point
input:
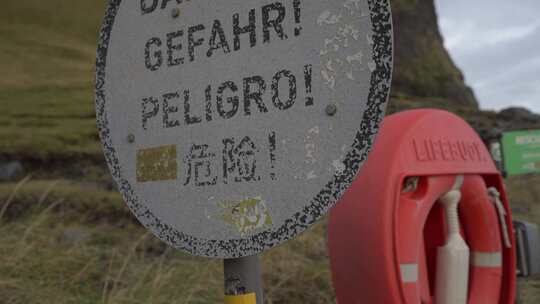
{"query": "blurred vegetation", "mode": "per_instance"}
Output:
(47, 52)
(65, 234)
(62, 242)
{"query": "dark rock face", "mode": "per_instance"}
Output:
(518, 118)
(422, 66)
(519, 113)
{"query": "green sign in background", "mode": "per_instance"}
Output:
(521, 152)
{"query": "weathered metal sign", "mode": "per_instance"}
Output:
(231, 126)
(521, 151)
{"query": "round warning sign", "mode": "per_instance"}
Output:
(232, 126)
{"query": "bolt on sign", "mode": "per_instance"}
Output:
(232, 126)
(521, 151)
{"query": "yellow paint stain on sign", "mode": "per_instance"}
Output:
(247, 215)
(157, 164)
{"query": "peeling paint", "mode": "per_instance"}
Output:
(310, 153)
(352, 5)
(369, 40)
(338, 63)
(329, 65)
(315, 130)
(311, 175)
(347, 32)
(338, 165)
(310, 144)
(246, 216)
(356, 57)
(372, 65)
(329, 46)
(329, 79)
(327, 17)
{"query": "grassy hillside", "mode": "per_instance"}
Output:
(423, 67)
(65, 234)
(47, 52)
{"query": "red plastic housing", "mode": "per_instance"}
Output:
(377, 230)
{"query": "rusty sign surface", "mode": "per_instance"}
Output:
(232, 126)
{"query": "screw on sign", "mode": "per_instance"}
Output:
(245, 120)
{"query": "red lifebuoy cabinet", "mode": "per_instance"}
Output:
(384, 233)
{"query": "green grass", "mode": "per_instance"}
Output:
(130, 266)
(79, 202)
(111, 265)
(48, 123)
(47, 52)
(119, 262)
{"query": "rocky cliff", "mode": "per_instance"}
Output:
(426, 77)
(423, 67)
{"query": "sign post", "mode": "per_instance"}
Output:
(521, 150)
(243, 281)
(232, 126)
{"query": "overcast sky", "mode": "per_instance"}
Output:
(496, 43)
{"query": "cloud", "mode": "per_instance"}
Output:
(496, 44)
(504, 59)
